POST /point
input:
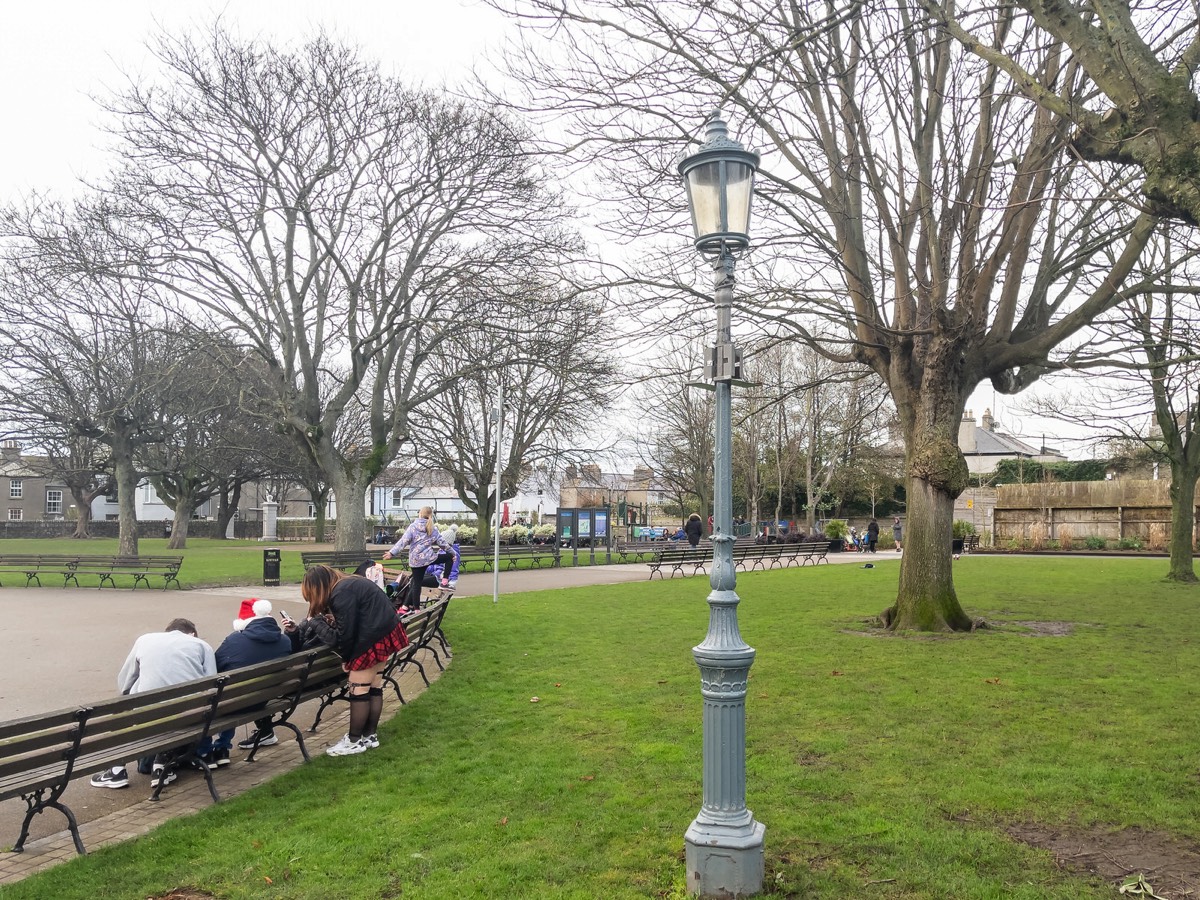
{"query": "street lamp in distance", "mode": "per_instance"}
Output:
(724, 843)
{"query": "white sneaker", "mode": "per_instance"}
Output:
(453, 584)
(347, 747)
(162, 775)
(371, 741)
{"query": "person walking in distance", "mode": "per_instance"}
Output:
(896, 531)
(352, 616)
(425, 544)
(693, 529)
(872, 536)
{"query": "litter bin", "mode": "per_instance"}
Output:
(271, 566)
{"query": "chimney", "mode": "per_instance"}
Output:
(592, 473)
(11, 451)
(966, 432)
(572, 473)
(989, 424)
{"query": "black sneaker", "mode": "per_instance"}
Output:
(203, 762)
(221, 756)
(162, 775)
(267, 740)
(110, 779)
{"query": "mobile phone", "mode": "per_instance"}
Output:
(283, 615)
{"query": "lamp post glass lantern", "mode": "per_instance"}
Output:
(724, 843)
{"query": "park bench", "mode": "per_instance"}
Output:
(633, 551)
(510, 556)
(970, 543)
(680, 558)
(423, 627)
(142, 568)
(105, 568)
(814, 552)
(41, 754)
(34, 566)
(345, 560)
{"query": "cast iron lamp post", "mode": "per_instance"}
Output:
(724, 843)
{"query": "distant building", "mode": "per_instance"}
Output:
(640, 494)
(30, 491)
(985, 446)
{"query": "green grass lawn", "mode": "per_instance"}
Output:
(882, 767)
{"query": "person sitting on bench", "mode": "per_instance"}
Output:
(157, 660)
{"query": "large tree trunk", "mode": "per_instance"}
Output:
(483, 521)
(127, 479)
(351, 512)
(179, 526)
(227, 504)
(1183, 516)
(83, 505)
(927, 600)
(937, 474)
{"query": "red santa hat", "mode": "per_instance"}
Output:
(251, 609)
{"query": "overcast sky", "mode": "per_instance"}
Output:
(55, 56)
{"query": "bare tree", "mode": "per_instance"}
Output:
(98, 368)
(910, 196)
(1149, 351)
(1143, 58)
(556, 369)
(674, 436)
(79, 461)
(215, 429)
(337, 222)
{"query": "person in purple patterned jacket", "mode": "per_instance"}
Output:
(425, 544)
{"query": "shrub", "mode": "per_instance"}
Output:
(1066, 537)
(1095, 542)
(1157, 541)
(467, 534)
(514, 534)
(1037, 536)
(962, 528)
(836, 529)
(1129, 544)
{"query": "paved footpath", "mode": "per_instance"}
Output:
(64, 646)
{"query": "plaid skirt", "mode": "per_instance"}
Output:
(394, 640)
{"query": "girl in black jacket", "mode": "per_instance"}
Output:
(354, 617)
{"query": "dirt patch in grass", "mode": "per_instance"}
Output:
(1170, 866)
(1047, 629)
(183, 893)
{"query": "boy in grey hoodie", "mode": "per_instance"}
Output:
(160, 659)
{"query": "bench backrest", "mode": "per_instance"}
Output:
(335, 559)
(32, 742)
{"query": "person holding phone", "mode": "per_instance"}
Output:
(256, 638)
(354, 617)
